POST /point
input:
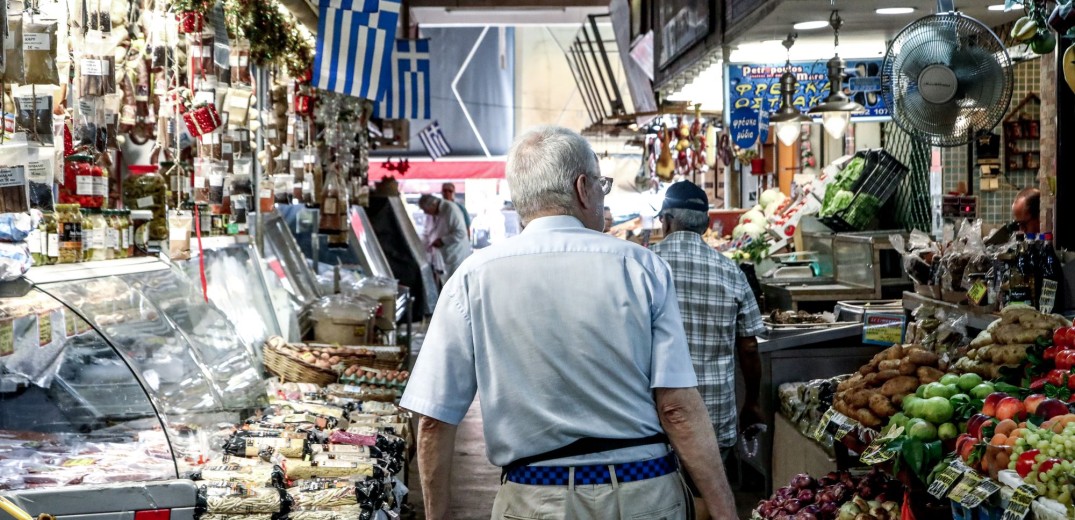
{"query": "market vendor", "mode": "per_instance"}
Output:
(1026, 211)
(577, 411)
(445, 234)
(720, 313)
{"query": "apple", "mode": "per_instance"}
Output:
(964, 438)
(1011, 408)
(975, 424)
(1050, 408)
(1025, 463)
(1048, 465)
(1032, 401)
(966, 449)
(991, 400)
(982, 390)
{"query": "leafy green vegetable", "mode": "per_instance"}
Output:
(841, 200)
(862, 210)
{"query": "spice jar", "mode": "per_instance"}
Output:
(69, 225)
(84, 183)
(52, 239)
(146, 189)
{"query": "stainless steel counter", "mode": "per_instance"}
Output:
(808, 337)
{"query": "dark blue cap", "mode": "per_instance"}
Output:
(685, 195)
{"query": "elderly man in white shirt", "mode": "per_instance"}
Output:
(575, 342)
(445, 233)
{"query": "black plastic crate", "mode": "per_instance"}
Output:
(881, 175)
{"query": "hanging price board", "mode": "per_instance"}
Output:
(823, 423)
(1019, 505)
(947, 478)
(985, 489)
(877, 451)
(965, 486)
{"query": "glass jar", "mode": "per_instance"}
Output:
(111, 234)
(85, 183)
(34, 241)
(69, 226)
(52, 239)
(127, 237)
(146, 189)
(94, 229)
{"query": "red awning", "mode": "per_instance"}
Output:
(440, 170)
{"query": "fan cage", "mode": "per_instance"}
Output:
(881, 174)
(897, 85)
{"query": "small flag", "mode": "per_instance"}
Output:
(433, 139)
(407, 96)
(354, 46)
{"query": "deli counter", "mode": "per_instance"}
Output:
(113, 373)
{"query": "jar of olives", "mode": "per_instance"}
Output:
(94, 229)
(69, 228)
(111, 234)
(146, 189)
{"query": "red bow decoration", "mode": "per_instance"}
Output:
(401, 166)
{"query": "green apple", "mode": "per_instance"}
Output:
(936, 410)
(923, 431)
(949, 379)
(982, 390)
(968, 381)
(947, 431)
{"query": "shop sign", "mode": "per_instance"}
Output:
(745, 127)
(883, 329)
(757, 86)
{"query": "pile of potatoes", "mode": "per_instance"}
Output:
(874, 393)
(1006, 341)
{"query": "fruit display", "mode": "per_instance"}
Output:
(935, 409)
(1006, 341)
(838, 495)
(874, 394)
(1043, 457)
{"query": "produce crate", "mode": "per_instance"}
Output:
(881, 175)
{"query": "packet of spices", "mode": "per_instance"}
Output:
(14, 186)
(34, 111)
(13, 71)
(97, 66)
(39, 53)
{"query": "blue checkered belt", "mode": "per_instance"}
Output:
(591, 475)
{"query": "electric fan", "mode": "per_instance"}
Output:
(946, 77)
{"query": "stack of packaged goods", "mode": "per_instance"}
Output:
(305, 458)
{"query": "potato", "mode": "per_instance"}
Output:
(899, 385)
(984, 338)
(859, 398)
(907, 368)
(843, 408)
(888, 364)
(1008, 354)
(929, 375)
(885, 375)
(868, 368)
(922, 357)
(867, 418)
(870, 380)
(897, 399)
(881, 406)
(893, 352)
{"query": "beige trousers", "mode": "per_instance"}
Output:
(661, 498)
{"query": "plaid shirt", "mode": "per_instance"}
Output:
(717, 307)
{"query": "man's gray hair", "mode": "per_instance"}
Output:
(427, 199)
(688, 219)
(542, 168)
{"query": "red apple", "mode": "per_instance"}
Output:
(1032, 401)
(1048, 464)
(1050, 408)
(1011, 408)
(975, 424)
(966, 450)
(991, 400)
(962, 440)
(1026, 462)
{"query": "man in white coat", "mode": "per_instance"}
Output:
(445, 233)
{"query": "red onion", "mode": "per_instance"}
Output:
(802, 481)
(805, 496)
(792, 506)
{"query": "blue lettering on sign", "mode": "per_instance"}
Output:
(744, 123)
(756, 86)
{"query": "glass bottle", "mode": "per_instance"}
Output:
(111, 241)
(51, 239)
(127, 239)
(1021, 277)
(331, 203)
(1052, 275)
(93, 235)
(34, 241)
(69, 228)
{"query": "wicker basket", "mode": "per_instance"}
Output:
(291, 370)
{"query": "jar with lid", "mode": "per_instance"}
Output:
(127, 235)
(69, 226)
(34, 241)
(146, 189)
(52, 239)
(85, 183)
(111, 234)
(94, 229)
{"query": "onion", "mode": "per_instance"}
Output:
(829, 508)
(785, 492)
(805, 515)
(792, 506)
(805, 496)
(827, 496)
(802, 481)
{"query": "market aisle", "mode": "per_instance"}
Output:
(475, 480)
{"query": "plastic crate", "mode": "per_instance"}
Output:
(881, 176)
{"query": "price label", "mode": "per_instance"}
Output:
(977, 292)
(44, 328)
(1048, 295)
(844, 425)
(947, 479)
(980, 493)
(819, 433)
(1019, 505)
(36, 42)
(7, 337)
(883, 329)
(965, 486)
(878, 451)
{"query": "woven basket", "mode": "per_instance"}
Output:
(291, 370)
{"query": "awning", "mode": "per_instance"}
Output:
(439, 170)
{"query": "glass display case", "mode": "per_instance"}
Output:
(116, 371)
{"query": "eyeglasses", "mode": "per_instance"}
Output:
(606, 184)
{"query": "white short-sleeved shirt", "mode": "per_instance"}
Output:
(565, 332)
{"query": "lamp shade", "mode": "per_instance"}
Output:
(835, 123)
(788, 131)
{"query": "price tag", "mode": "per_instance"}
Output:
(36, 42)
(7, 337)
(1048, 296)
(819, 433)
(965, 486)
(883, 329)
(977, 292)
(877, 451)
(1019, 505)
(980, 493)
(844, 425)
(44, 328)
(947, 479)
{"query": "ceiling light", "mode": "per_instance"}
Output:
(895, 10)
(806, 26)
(1000, 7)
(788, 119)
(836, 110)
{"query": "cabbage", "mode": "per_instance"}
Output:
(751, 229)
(769, 196)
(754, 215)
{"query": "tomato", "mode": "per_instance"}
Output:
(1065, 359)
(1026, 462)
(1057, 377)
(1050, 352)
(1048, 465)
(1064, 337)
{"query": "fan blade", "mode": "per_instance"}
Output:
(980, 77)
(926, 117)
(922, 47)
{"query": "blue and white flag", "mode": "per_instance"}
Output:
(407, 96)
(433, 139)
(354, 46)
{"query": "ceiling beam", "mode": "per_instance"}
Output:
(508, 4)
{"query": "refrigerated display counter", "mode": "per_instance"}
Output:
(115, 374)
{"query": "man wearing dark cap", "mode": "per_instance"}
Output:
(720, 314)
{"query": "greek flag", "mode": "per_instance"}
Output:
(433, 139)
(354, 46)
(407, 96)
